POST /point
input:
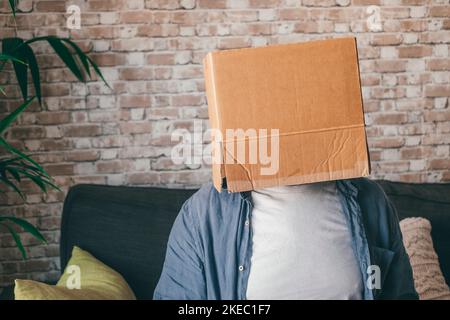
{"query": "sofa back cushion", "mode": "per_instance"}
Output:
(430, 201)
(126, 228)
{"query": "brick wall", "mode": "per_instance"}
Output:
(150, 52)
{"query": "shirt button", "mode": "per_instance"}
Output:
(247, 222)
(241, 268)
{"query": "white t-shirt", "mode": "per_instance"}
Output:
(302, 245)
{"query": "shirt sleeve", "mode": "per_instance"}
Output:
(400, 282)
(182, 277)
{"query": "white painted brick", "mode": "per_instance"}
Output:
(417, 165)
(388, 52)
(441, 103)
(268, 15)
(418, 12)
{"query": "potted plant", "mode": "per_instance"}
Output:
(15, 165)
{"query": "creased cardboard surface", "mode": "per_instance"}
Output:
(310, 92)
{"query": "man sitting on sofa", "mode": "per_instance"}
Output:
(327, 240)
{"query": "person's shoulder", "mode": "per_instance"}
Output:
(206, 200)
(375, 203)
(203, 195)
(369, 189)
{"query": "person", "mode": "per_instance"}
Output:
(327, 240)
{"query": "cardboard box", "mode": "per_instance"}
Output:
(307, 96)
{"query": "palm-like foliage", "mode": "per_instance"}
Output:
(14, 164)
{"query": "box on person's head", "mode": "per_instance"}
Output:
(286, 114)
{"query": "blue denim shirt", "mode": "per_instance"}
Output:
(210, 246)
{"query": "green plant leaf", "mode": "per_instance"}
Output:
(6, 122)
(16, 238)
(16, 167)
(6, 57)
(81, 55)
(5, 161)
(66, 56)
(11, 46)
(8, 182)
(27, 53)
(13, 172)
(39, 179)
(97, 70)
(37, 171)
(13, 150)
(36, 179)
(13, 6)
(27, 227)
(22, 56)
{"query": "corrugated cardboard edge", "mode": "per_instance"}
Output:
(362, 106)
(360, 169)
(213, 112)
(243, 185)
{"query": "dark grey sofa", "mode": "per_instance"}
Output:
(127, 228)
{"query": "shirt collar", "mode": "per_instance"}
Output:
(245, 195)
(346, 186)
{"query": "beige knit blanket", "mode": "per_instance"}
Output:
(429, 281)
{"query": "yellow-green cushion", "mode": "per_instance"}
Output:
(85, 277)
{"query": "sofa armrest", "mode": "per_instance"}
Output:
(7, 293)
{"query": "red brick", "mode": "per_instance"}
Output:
(233, 43)
(82, 130)
(161, 59)
(387, 143)
(115, 166)
(59, 169)
(446, 24)
(108, 59)
(136, 73)
(390, 66)
(50, 6)
(366, 2)
(136, 17)
(293, 14)
(413, 25)
(148, 178)
(414, 51)
(435, 37)
(438, 64)
(439, 164)
(437, 115)
(135, 127)
(212, 4)
(440, 11)
(82, 155)
(265, 3)
(386, 39)
(134, 101)
(45, 118)
(415, 152)
(393, 118)
(110, 5)
(27, 132)
(437, 91)
(187, 100)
